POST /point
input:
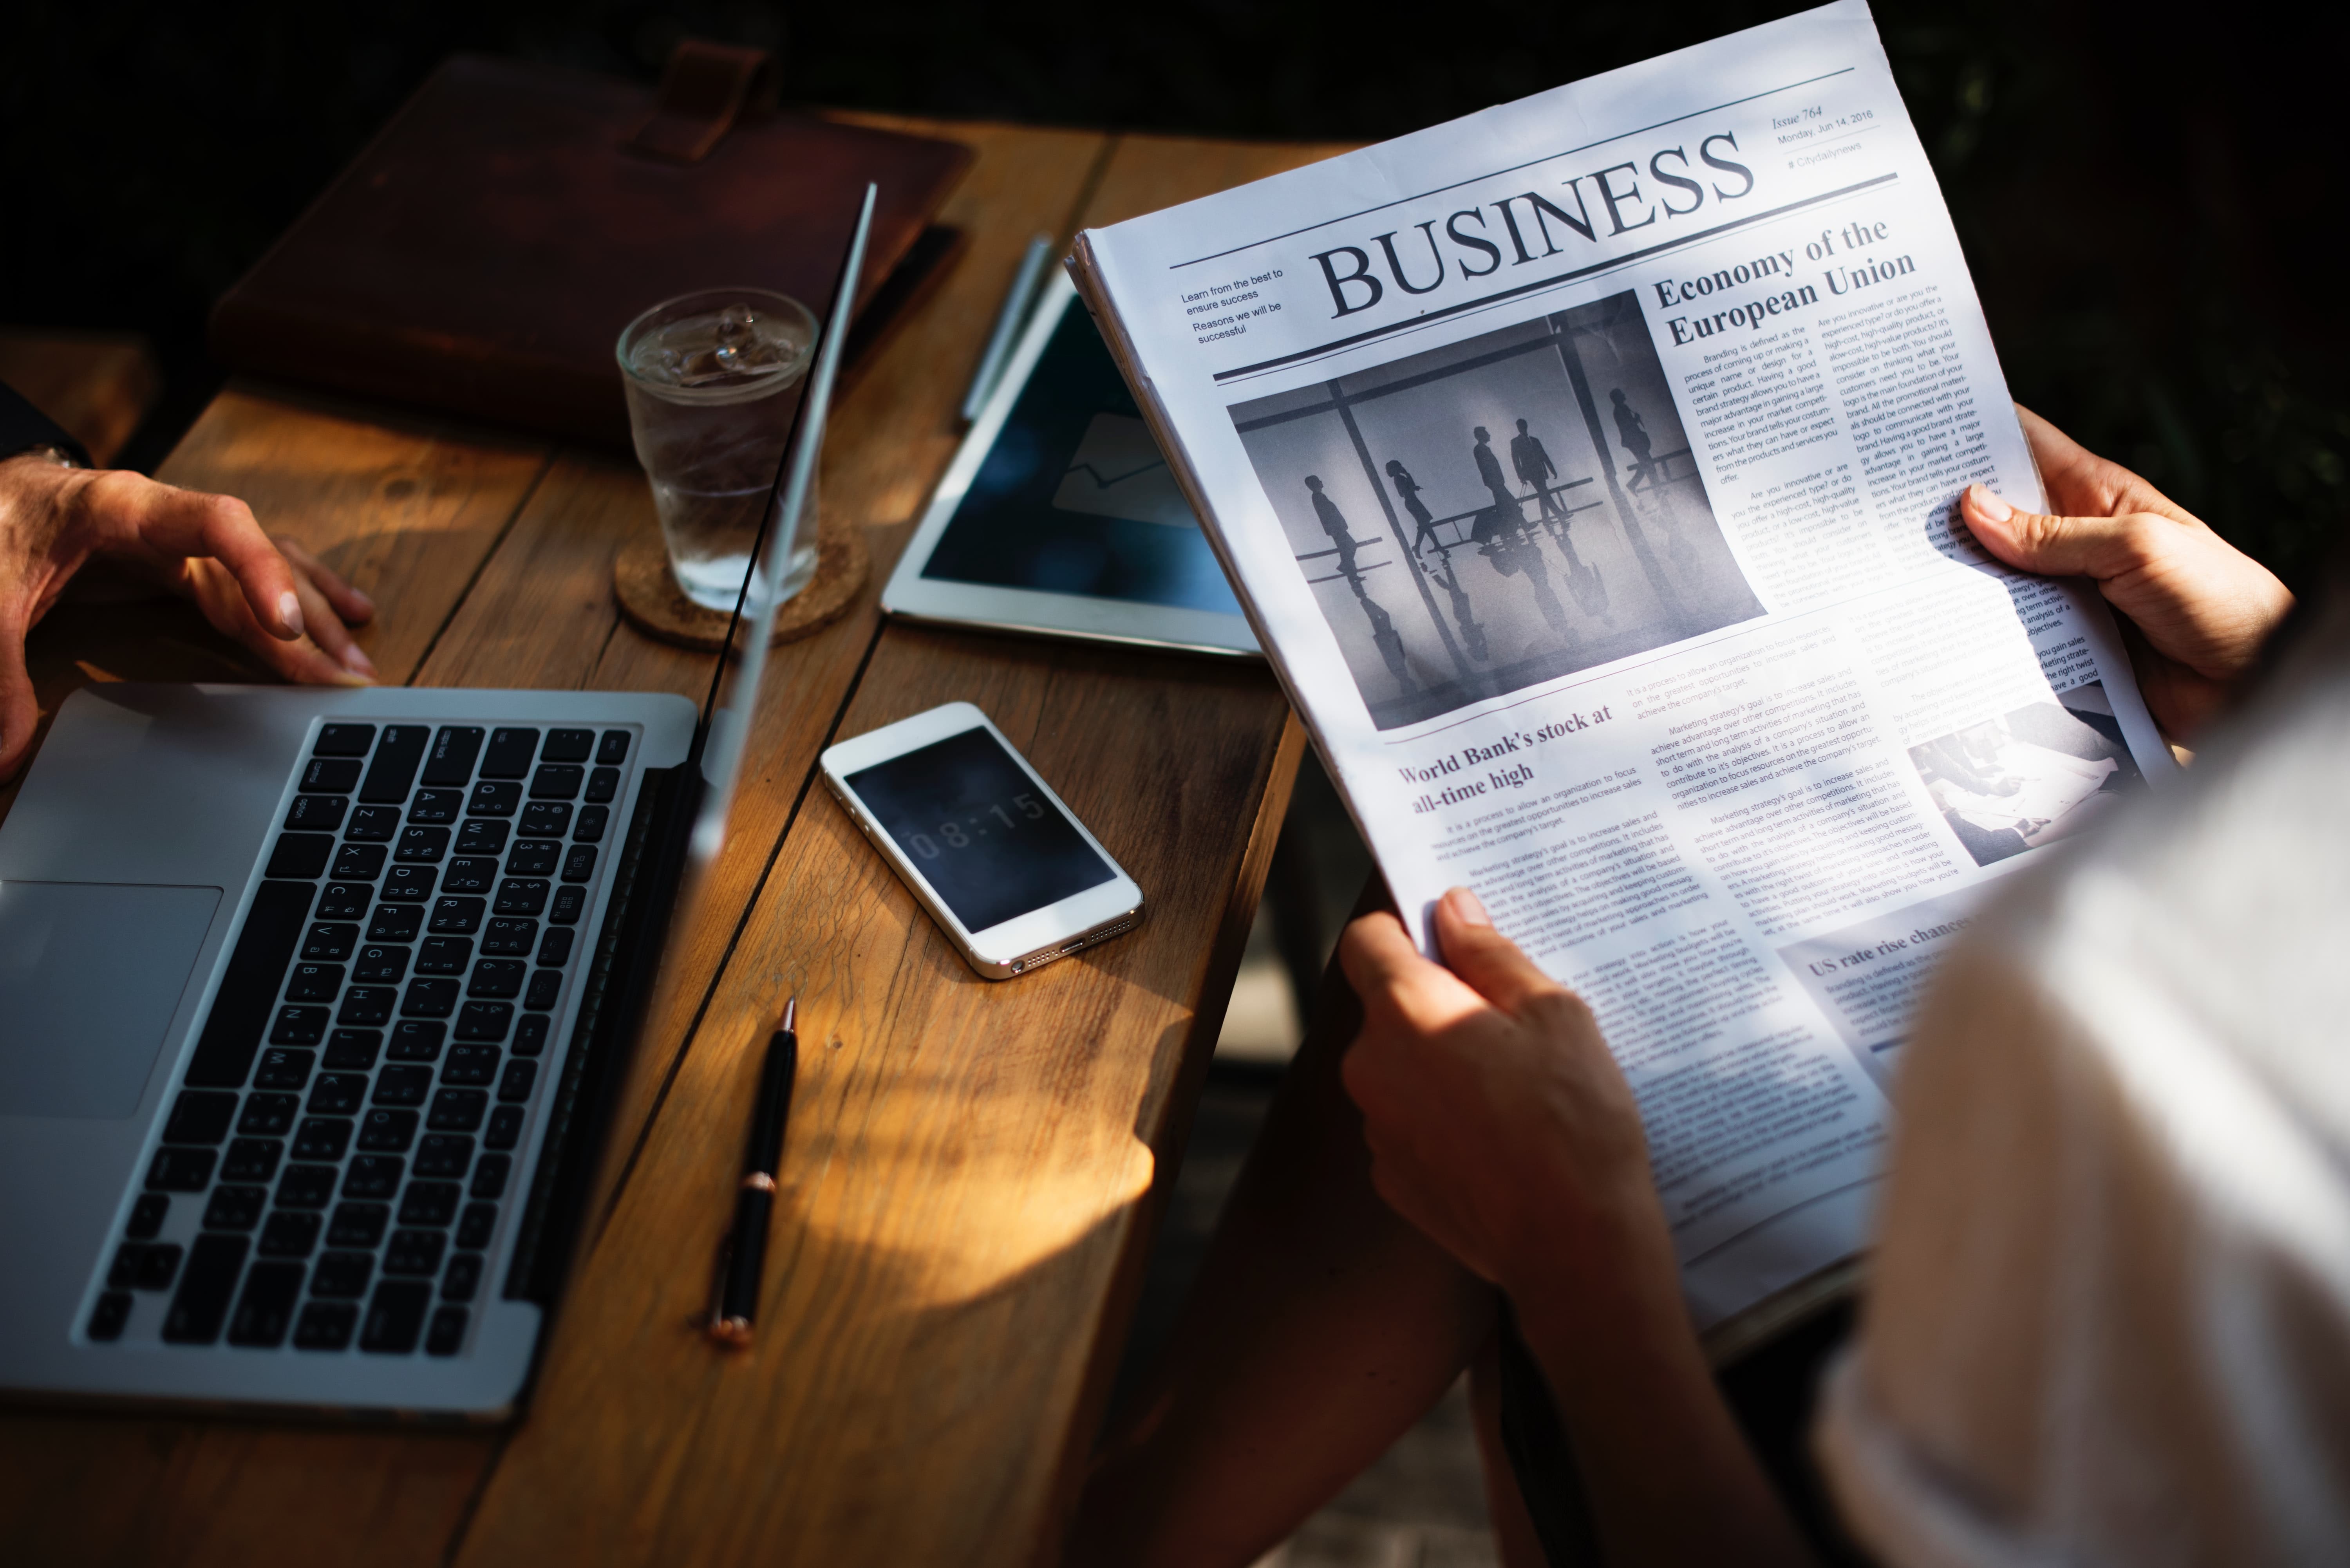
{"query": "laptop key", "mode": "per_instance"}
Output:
(490, 799)
(546, 819)
(454, 747)
(444, 1154)
(396, 1317)
(402, 1086)
(558, 781)
(358, 1224)
(568, 745)
(408, 884)
(325, 1325)
(546, 986)
(331, 775)
(157, 1265)
(337, 1094)
(359, 862)
(321, 1138)
(396, 923)
(423, 846)
(297, 1026)
(147, 1216)
(287, 1234)
(368, 1004)
(505, 1129)
(509, 936)
(300, 856)
(603, 784)
(462, 1278)
(248, 990)
(475, 1225)
(414, 1253)
(330, 942)
(437, 805)
(613, 747)
(306, 1187)
(480, 838)
(345, 901)
(381, 963)
(530, 1034)
(477, 874)
(416, 1039)
(557, 949)
(570, 903)
(457, 1110)
(386, 1131)
(206, 1284)
(497, 979)
(471, 1066)
(110, 1316)
(265, 1310)
(180, 1170)
(484, 1019)
(235, 1207)
(579, 864)
(315, 983)
(343, 740)
(520, 896)
(447, 1334)
(199, 1117)
(443, 955)
(393, 769)
(374, 1176)
(490, 1176)
(430, 999)
(316, 812)
(510, 753)
(521, 1076)
(372, 825)
(269, 1116)
(590, 828)
(458, 917)
(342, 1274)
(533, 859)
(256, 1159)
(429, 1203)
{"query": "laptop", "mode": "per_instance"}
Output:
(311, 1004)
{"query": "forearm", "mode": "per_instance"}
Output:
(1669, 1474)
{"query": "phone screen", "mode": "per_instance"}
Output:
(990, 843)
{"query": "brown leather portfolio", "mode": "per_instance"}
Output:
(483, 253)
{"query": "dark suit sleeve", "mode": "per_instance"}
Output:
(24, 427)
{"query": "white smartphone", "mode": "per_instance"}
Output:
(1004, 867)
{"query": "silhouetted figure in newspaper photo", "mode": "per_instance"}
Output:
(1408, 488)
(1535, 466)
(1448, 577)
(1512, 552)
(1506, 512)
(1635, 437)
(1334, 523)
(1384, 635)
(1583, 581)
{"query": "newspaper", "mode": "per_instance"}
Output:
(1588, 468)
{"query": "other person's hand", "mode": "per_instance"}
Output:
(2202, 607)
(276, 600)
(1497, 1120)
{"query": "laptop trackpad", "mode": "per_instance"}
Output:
(91, 974)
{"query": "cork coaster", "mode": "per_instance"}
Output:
(651, 599)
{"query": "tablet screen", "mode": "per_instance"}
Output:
(1073, 497)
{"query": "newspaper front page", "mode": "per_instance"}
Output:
(1588, 468)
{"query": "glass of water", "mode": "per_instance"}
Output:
(713, 378)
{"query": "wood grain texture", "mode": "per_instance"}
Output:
(973, 1167)
(98, 385)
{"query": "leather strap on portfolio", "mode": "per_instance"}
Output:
(483, 253)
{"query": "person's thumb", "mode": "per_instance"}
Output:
(1489, 963)
(20, 707)
(2051, 546)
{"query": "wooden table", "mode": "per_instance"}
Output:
(974, 1168)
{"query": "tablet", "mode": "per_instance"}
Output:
(1058, 515)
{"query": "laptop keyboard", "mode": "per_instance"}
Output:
(333, 1170)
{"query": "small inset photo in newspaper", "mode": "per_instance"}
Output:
(2027, 778)
(1497, 513)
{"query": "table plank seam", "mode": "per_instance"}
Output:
(456, 606)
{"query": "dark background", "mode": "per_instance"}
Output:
(2145, 191)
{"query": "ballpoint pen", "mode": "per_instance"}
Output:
(755, 1201)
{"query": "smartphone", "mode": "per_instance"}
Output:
(1002, 866)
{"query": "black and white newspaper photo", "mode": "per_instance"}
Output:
(1587, 467)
